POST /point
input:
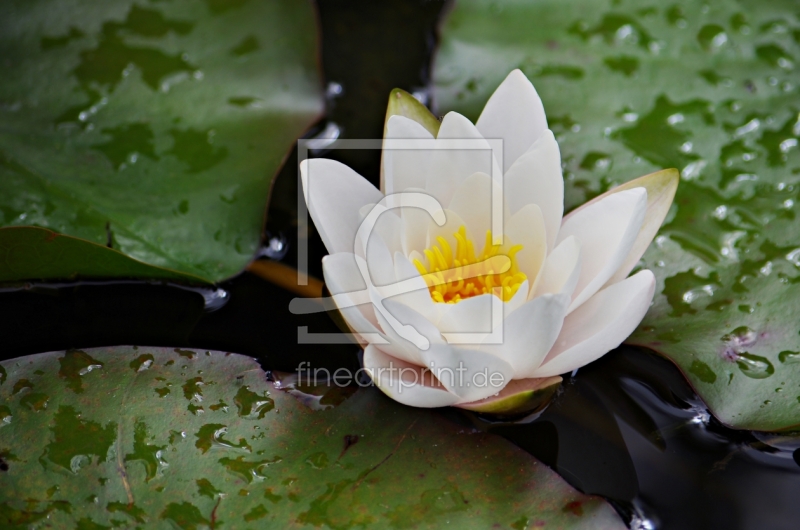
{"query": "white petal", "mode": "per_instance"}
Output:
(343, 278)
(600, 325)
(527, 228)
(405, 382)
(519, 298)
(561, 269)
(535, 178)
(530, 332)
(468, 373)
(405, 168)
(472, 315)
(473, 202)
(514, 113)
(334, 194)
(476, 316)
(380, 263)
(388, 227)
(451, 166)
(415, 226)
(661, 187)
(405, 328)
(606, 231)
(416, 295)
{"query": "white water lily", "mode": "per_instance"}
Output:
(563, 292)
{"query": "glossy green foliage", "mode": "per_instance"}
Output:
(153, 126)
(711, 89)
(204, 441)
(31, 252)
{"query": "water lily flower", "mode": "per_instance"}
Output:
(554, 288)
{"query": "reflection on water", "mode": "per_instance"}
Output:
(630, 428)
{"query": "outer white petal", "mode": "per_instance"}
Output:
(535, 178)
(606, 231)
(380, 263)
(661, 187)
(467, 372)
(600, 325)
(342, 277)
(514, 113)
(388, 227)
(400, 315)
(405, 168)
(530, 332)
(526, 228)
(561, 269)
(334, 194)
(450, 167)
(405, 382)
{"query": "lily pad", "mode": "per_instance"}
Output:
(153, 128)
(711, 89)
(161, 438)
(31, 252)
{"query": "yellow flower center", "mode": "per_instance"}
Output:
(453, 276)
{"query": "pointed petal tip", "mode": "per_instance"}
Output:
(404, 104)
(646, 276)
(516, 75)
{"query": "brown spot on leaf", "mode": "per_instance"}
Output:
(574, 507)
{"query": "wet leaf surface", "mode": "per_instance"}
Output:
(711, 89)
(224, 448)
(154, 129)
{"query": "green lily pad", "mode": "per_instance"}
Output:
(711, 89)
(162, 438)
(154, 128)
(31, 252)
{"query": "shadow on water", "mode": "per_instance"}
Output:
(627, 427)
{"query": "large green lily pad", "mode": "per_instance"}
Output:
(707, 87)
(161, 438)
(152, 127)
(32, 252)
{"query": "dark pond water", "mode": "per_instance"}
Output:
(627, 427)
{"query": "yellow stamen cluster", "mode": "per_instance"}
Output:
(454, 275)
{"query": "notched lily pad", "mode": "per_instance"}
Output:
(119, 454)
